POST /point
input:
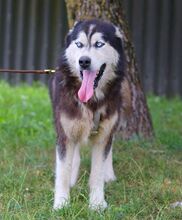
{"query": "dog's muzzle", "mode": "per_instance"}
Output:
(90, 80)
(98, 76)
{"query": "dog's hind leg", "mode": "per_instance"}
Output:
(108, 168)
(75, 165)
(63, 176)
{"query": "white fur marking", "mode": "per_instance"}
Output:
(78, 130)
(75, 166)
(97, 200)
(90, 30)
(62, 182)
(108, 168)
(119, 33)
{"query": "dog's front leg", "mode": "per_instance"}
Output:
(63, 175)
(101, 159)
(96, 182)
(75, 165)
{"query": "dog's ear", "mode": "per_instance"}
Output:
(68, 37)
(120, 39)
(119, 33)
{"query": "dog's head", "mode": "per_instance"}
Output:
(95, 55)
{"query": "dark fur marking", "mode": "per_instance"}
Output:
(108, 146)
(109, 142)
(99, 75)
(55, 98)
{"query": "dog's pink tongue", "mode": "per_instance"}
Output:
(87, 88)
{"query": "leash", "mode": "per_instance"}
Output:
(46, 71)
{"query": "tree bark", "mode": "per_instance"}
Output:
(135, 116)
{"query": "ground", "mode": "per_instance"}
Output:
(149, 174)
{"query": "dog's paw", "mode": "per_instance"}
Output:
(98, 205)
(97, 201)
(61, 203)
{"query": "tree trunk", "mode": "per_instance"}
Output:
(135, 116)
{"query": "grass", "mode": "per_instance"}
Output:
(149, 174)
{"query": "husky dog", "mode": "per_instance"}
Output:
(86, 100)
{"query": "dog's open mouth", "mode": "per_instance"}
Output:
(90, 81)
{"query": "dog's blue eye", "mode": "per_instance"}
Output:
(99, 44)
(79, 44)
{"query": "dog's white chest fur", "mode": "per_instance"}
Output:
(78, 129)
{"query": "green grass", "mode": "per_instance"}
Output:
(149, 174)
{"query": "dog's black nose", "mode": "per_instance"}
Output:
(84, 62)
